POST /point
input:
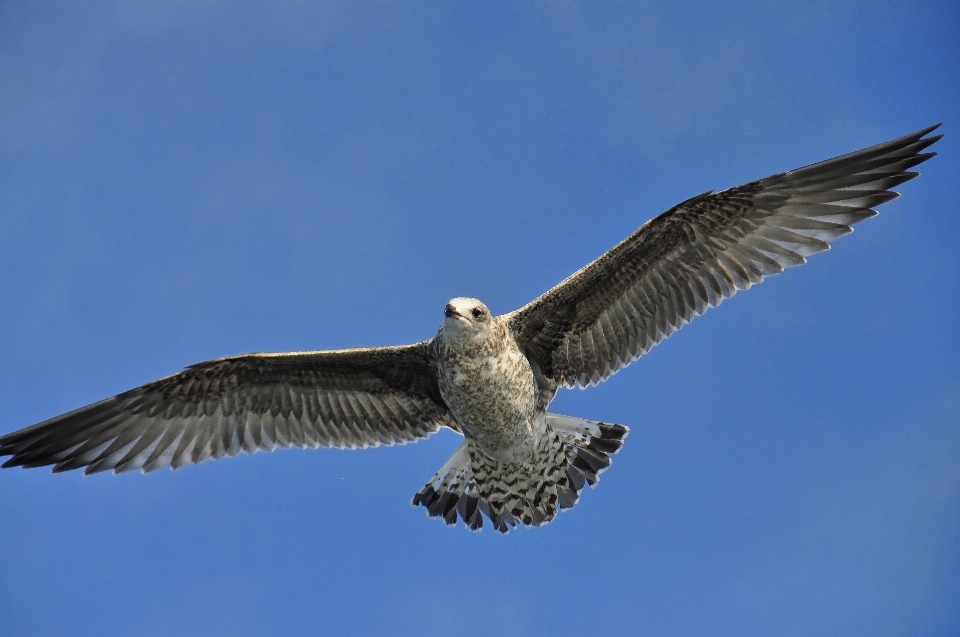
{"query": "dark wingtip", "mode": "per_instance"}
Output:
(10, 464)
(922, 133)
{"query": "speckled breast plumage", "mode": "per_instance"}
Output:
(490, 389)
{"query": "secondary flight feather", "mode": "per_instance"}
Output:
(490, 378)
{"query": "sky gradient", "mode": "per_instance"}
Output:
(180, 182)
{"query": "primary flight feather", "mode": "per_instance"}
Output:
(490, 378)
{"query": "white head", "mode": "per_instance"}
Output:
(465, 317)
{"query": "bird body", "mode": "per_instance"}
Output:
(514, 466)
(490, 378)
(487, 382)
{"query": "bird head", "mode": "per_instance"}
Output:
(465, 316)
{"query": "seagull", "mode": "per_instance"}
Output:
(489, 378)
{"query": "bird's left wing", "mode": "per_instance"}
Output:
(342, 398)
(690, 258)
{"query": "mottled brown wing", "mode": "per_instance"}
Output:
(342, 398)
(700, 252)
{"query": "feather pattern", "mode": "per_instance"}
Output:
(700, 252)
(489, 378)
(352, 398)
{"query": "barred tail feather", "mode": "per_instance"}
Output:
(571, 453)
(592, 443)
(452, 491)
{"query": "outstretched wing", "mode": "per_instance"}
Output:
(700, 252)
(342, 398)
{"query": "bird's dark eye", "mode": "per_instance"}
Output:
(477, 312)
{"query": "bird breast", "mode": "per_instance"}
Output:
(491, 392)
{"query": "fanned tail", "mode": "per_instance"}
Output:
(571, 453)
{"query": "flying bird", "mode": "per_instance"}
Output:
(490, 378)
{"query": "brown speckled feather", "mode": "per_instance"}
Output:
(699, 253)
(351, 398)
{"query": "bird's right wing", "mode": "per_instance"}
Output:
(692, 257)
(340, 398)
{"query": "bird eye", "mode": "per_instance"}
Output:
(477, 312)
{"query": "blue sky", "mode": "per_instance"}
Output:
(181, 182)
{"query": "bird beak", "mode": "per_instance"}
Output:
(451, 312)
